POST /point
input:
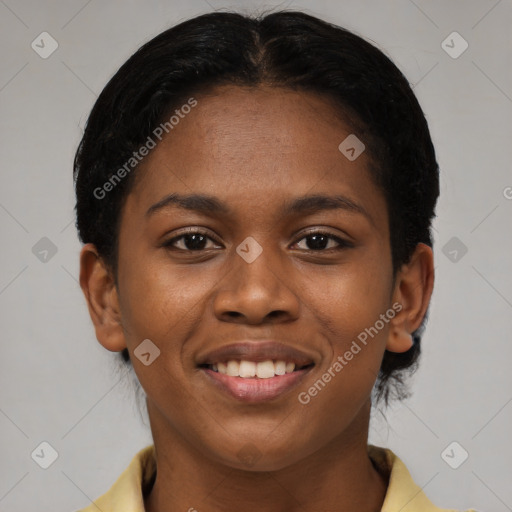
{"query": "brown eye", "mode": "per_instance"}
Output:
(318, 241)
(190, 241)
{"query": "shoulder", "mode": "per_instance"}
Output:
(127, 492)
(403, 493)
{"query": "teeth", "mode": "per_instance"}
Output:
(250, 369)
(265, 369)
(247, 369)
(233, 369)
(290, 367)
(280, 367)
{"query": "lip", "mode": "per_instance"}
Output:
(254, 390)
(256, 351)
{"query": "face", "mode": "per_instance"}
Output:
(253, 273)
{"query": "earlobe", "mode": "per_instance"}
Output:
(399, 340)
(100, 292)
(413, 288)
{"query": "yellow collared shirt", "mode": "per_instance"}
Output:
(127, 493)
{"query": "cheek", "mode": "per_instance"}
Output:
(164, 305)
(348, 310)
(161, 303)
(351, 300)
(332, 402)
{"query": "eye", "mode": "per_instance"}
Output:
(197, 240)
(319, 240)
(191, 240)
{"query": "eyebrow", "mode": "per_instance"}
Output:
(210, 205)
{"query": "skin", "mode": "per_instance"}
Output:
(254, 149)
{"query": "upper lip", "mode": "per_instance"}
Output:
(256, 351)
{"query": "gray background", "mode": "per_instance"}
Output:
(60, 386)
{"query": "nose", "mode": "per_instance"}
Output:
(257, 292)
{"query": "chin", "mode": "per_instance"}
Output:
(258, 456)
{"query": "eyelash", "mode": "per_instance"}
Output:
(343, 244)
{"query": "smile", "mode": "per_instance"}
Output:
(255, 371)
(252, 382)
(250, 369)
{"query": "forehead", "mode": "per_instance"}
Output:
(254, 147)
(237, 123)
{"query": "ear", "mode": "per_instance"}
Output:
(98, 286)
(413, 288)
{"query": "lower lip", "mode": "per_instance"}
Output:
(254, 389)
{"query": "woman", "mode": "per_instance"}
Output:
(255, 196)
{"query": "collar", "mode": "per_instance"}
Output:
(128, 492)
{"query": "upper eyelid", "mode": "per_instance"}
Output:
(310, 232)
(338, 239)
(192, 231)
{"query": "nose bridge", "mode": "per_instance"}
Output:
(257, 264)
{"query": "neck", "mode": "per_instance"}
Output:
(338, 476)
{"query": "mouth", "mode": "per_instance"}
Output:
(256, 371)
